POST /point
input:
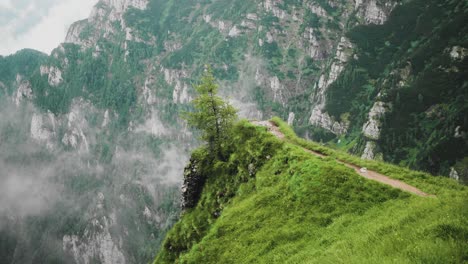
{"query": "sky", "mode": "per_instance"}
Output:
(38, 24)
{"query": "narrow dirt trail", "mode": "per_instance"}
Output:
(368, 174)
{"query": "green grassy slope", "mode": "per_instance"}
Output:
(298, 208)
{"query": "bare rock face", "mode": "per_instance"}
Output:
(43, 129)
(101, 21)
(73, 34)
(96, 243)
(291, 118)
(24, 90)
(458, 53)
(193, 184)
(319, 117)
(373, 12)
(369, 151)
(371, 128)
(272, 6)
(75, 136)
(454, 174)
(54, 75)
(175, 77)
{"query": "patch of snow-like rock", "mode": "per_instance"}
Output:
(277, 88)
(180, 93)
(459, 133)
(454, 174)
(234, 32)
(313, 47)
(76, 125)
(54, 75)
(269, 37)
(223, 26)
(369, 151)
(97, 243)
(24, 90)
(319, 117)
(272, 6)
(272, 83)
(458, 53)
(324, 120)
(43, 129)
(106, 120)
(291, 118)
(371, 128)
(181, 88)
(147, 93)
(372, 12)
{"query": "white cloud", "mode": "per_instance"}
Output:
(38, 24)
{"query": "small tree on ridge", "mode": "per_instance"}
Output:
(212, 115)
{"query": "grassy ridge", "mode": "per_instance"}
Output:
(422, 180)
(302, 209)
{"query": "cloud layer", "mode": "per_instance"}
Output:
(38, 24)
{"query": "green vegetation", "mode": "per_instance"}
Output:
(298, 208)
(23, 62)
(212, 115)
(406, 62)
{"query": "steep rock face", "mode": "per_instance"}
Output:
(24, 90)
(54, 75)
(193, 185)
(371, 128)
(96, 243)
(373, 11)
(319, 117)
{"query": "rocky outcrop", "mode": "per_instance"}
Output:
(458, 53)
(372, 11)
(274, 85)
(175, 78)
(76, 125)
(454, 174)
(100, 22)
(194, 181)
(74, 32)
(319, 117)
(43, 129)
(372, 127)
(272, 6)
(315, 49)
(54, 75)
(291, 118)
(96, 243)
(24, 90)
(369, 151)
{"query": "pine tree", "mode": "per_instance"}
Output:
(212, 115)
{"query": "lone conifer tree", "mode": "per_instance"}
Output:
(212, 115)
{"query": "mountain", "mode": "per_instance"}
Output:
(93, 147)
(287, 200)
